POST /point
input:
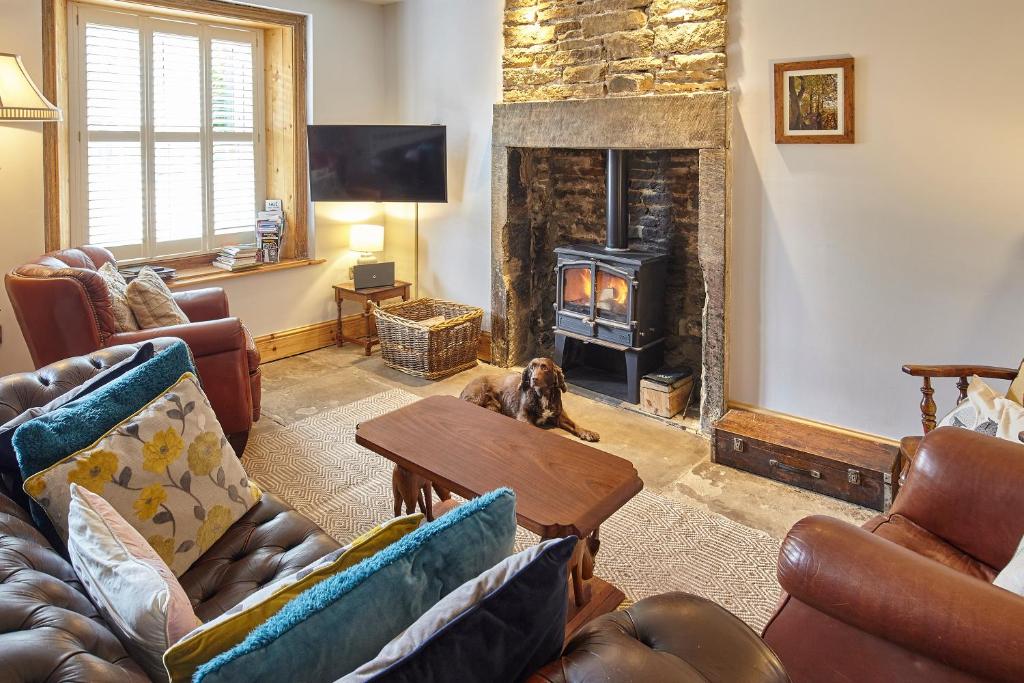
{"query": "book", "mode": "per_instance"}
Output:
(129, 273)
(670, 377)
(234, 266)
(239, 249)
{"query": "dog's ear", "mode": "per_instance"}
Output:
(560, 377)
(524, 384)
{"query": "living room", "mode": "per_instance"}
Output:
(705, 329)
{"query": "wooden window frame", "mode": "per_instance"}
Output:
(285, 87)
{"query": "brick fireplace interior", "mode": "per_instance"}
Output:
(558, 197)
(548, 189)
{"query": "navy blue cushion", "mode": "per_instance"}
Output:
(501, 626)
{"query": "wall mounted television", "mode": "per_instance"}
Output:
(378, 163)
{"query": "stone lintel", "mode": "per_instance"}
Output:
(683, 121)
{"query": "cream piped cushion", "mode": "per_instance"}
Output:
(152, 303)
(117, 290)
(987, 412)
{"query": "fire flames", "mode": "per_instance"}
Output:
(579, 285)
(614, 283)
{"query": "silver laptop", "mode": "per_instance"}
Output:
(374, 275)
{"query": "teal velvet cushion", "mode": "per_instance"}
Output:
(51, 437)
(345, 620)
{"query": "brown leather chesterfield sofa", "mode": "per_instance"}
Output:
(50, 631)
(908, 596)
(63, 310)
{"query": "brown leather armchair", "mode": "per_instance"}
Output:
(909, 597)
(64, 310)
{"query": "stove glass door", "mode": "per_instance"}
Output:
(612, 295)
(577, 289)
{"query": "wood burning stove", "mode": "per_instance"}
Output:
(608, 304)
(610, 296)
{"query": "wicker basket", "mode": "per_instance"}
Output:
(432, 352)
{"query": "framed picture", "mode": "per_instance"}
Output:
(814, 102)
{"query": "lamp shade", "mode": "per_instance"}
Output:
(366, 238)
(20, 99)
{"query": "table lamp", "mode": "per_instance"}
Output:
(20, 99)
(366, 239)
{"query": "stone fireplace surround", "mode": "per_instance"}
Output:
(697, 121)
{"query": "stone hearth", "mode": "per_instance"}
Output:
(678, 190)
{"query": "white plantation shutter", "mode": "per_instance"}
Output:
(177, 121)
(166, 115)
(113, 143)
(233, 128)
(233, 187)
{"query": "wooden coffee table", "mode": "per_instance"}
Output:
(563, 486)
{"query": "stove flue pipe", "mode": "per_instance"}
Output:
(617, 210)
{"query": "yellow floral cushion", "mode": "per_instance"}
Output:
(168, 470)
(229, 629)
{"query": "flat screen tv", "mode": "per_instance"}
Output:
(378, 164)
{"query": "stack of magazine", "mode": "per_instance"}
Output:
(237, 257)
(269, 228)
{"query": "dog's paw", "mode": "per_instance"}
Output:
(589, 436)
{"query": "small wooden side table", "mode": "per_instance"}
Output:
(348, 292)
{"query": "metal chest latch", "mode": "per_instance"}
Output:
(738, 444)
(853, 476)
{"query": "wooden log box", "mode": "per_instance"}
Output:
(665, 400)
(841, 465)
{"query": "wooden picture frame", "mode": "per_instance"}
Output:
(814, 102)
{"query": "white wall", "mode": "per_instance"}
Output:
(21, 173)
(349, 86)
(447, 69)
(850, 260)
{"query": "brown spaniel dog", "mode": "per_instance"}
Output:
(535, 396)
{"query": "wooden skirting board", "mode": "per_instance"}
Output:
(814, 423)
(278, 345)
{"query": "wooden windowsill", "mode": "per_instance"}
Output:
(189, 277)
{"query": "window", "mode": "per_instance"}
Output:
(165, 122)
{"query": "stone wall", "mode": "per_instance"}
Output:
(580, 49)
(557, 196)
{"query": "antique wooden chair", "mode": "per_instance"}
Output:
(909, 444)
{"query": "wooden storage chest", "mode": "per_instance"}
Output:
(831, 462)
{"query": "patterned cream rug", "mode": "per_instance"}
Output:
(650, 546)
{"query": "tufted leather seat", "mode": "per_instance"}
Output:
(49, 631)
(271, 540)
(670, 637)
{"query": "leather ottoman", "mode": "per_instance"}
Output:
(671, 637)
